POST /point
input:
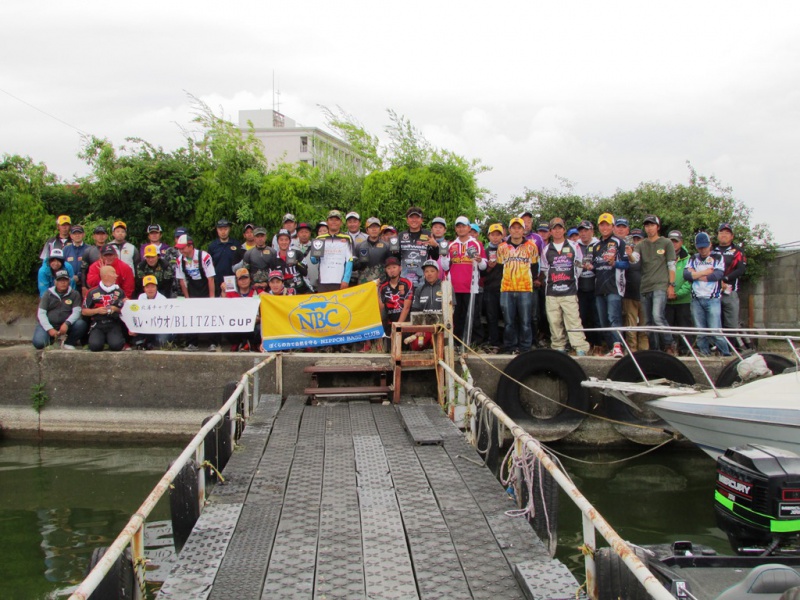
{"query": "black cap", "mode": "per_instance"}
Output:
(108, 249)
(724, 226)
(651, 219)
(154, 228)
(77, 229)
(100, 229)
(414, 210)
(223, 223)
(585, 225)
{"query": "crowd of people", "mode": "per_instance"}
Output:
(527, 286)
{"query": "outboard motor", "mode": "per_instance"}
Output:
(757, 499)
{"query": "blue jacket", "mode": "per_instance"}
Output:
(47, 277)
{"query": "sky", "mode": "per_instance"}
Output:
(604, 94)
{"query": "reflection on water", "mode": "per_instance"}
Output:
(59, 502)
(659, 498)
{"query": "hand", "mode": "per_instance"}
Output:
(344, 285)
(432, 242)
(63, 329)
(52, 332)
(628, 250)
(671, 295)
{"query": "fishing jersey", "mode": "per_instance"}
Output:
(371, 258)
(415, 250)
(459, 265)
(196, 271)
(161, 271)
(428, 297)
(710, 288)
(735, 264)
(259, 261)
(561, 268)
(609, 278)
(294, 275)
(97, 297)
(586, 280)
(336, 262)
(52, 244)
(520, 265)
(394, 298)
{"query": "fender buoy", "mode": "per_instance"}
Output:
(226, 393)
(118, 582)
(184, 504)
(656, 365)
(554, 365)
(614, 579)
(729, 375)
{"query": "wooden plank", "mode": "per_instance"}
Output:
(347, 368)
(367, 390)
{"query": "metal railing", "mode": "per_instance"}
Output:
(133, 533)
(592, 520)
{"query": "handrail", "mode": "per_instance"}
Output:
(590, 514)
(133, 532)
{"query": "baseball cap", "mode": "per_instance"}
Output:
(462, 221)
(499, 228)
(184, 241)
(148, 279)
(223, 223)
(373, 221)
(154, 228)
(391, 261)
(622, 221)
(414, 210)
(243, 272)
(180, 231)
(585, 225)
(675, 235)
(335, 214)
(606, 218)
(321, 224)
(527, 213)
(637, 233)
(62, 274)
(99, 229)
(283, 232)
(701, 240)
(151, 250)
(77, 229)
(388, 227)
(430, 263)
(248, 226)
(119, 224)
(543, 227)
(439, 220)
(352, 215)
(557, 221)
(475, 227)
(259, 231)
(651, 219)
(64, 220)
(290, 217)
(723, 226)
(515, 221)
(572, 231)
(303, 225)
(56, 253)
(275, 275)
(108, 249)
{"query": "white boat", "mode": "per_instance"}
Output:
(766, 412)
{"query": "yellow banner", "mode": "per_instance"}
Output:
(323, 319)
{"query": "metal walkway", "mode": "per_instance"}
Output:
(358, 500)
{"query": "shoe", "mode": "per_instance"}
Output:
(671, 350)
(127, 347)
(68, 347)
(245, 347)
(212, 348)
(235, 347)
(616, 351)
(580, 353)
(191, 348)
(493, 349)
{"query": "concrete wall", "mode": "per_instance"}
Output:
(776, 298)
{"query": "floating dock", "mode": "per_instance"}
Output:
(361, 500)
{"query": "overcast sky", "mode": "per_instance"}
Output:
(604, 94)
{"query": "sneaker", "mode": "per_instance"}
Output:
(580, 353)
(616, 351)
(68, 347)
(236, 347)
(127, 347)
(212, 348)
(245, 347)
(671, 350)
(191, 348)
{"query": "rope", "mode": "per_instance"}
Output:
(213, 468)
(577, 410)
(611, 462)
(140, 566)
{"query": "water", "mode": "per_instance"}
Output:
(59, 502)
(658, 498)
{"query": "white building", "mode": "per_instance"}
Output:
(285, 142)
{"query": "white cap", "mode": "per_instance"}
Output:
(352, 215)
(462, 221)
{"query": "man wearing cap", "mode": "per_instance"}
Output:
(276, 285)
(622, 228)
(608, 259)
(64, 224)
(520, 261)
(395, 295)
(172, 255)
(153, 265)
(289, 261)
(463, 255)
(560, 267)
(333, 252)
(154, 232)
(706, 270)
(47, 272)
(244, 289)
(587, 307)
(102, 306)
(371, 254)
(439, 231)
(632, 311)
(73, 255)
(259, 260)
(428, 295)
(92, 254)
(195, 270)
(150, 286)
(657, 256)
(302, 240)
(59, 314)
(125, 277)
(225, 252)
(416, 246)
(679, 298)
(125, 250)
(491, 287)
(388, 232)
(249, 237)
(735, 267)
(352, 222)
(290, 225)
(530, 234)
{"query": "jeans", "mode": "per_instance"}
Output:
(655, 305)
(609, 311)
(707, 314)
(517, 306)
(41, 339)
(587, 308)
(491, 302)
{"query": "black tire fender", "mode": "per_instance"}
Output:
(555, 364)
(184, 503)
(120, 579)
(729, 375)
(615, 580)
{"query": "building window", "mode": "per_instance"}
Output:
(303, 143)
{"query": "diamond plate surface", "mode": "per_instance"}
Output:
(418, 425)
(202, 554)
(371, 465)
(391, 429)
(546, 581)
(361, 421)
(442, 422)
(387, 565)
(516, 538)
(436, 566)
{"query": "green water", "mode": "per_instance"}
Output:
(59, 502)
